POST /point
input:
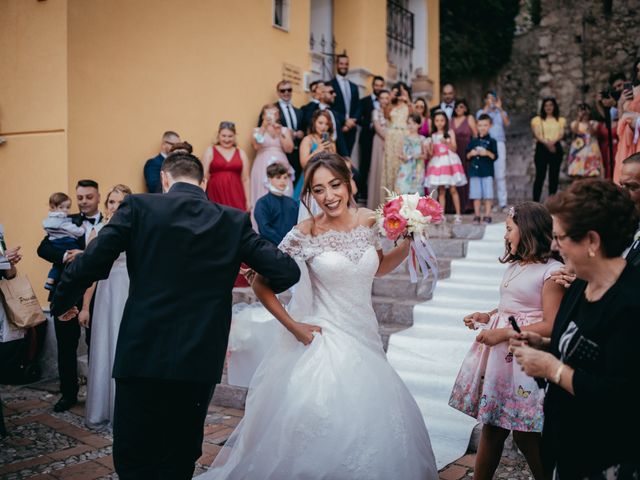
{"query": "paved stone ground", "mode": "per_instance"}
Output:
(43, 444)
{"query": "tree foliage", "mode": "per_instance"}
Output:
(475, 37)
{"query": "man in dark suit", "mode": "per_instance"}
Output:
(316, 89)
(630, 180)
(347, 101)
(290, 117)
(447, 101)
(152, 166)
(327, 97)
(367, 105)
(183, 255)
(68, 333)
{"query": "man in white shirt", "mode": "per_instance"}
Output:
(68, 332)
(447, 101)
(290, 117)
(347, 100)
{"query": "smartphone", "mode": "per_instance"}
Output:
(627, 86)
(271, 116)
(514, 324)
(325, 137)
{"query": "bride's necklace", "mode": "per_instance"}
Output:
(514, 274)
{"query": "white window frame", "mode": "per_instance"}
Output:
(286, 9)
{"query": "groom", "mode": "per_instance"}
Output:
(183, 255)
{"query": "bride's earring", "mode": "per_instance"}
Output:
(591, 254)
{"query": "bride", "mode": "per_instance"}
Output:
(325, 403)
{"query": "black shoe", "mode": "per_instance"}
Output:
(65, 403)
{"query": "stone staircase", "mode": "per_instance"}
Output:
(394, 296)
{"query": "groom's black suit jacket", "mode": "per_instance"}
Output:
(183, 255)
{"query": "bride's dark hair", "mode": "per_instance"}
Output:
(335, 164)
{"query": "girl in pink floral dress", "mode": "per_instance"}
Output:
(491, 386)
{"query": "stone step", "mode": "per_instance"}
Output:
(394, 310)
(465, 231)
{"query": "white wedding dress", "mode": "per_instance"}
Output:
(334, 409)
(111, 296)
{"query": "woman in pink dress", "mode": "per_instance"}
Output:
(491, 386)
(272, 142)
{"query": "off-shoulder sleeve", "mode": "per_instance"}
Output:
(375, 237)
(293, 244)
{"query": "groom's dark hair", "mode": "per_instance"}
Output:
(183, 165)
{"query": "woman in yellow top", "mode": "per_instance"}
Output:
(548, 129)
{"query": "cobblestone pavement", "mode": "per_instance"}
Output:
(43, 444)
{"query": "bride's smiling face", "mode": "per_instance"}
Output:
(330, 192)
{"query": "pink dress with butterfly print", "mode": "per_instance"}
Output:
(491, 386)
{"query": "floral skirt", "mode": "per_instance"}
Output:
(492, 387)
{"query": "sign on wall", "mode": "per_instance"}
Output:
(293, 74)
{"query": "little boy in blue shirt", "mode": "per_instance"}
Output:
(482, 151)
(276, 213)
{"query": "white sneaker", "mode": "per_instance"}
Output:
(457, 220)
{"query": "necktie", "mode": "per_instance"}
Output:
(346, 93)
(292, 118)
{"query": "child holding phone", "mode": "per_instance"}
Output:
(491, 386)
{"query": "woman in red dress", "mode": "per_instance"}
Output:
(226, 170)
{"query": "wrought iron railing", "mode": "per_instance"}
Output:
(400, 24)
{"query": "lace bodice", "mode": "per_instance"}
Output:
(352, 244)
(341, 266)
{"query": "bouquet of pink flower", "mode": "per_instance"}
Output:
(408, 216)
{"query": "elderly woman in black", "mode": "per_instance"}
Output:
(592, 360)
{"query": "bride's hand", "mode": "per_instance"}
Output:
(304, 332)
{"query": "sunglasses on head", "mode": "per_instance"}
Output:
(230, 125)
(286, 90)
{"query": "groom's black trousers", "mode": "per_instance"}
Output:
(158, 428)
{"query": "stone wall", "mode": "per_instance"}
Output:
(547, 60)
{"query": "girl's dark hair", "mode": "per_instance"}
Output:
(556, 108)
(317, 114)
(535, 225)
(634, 72)
(332, 162)
(597, 205)
(461, 101)
(446, 122)
(416, 118)
(399, 86)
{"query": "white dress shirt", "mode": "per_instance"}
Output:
(289, 115)
(447, 108)
(345, 87)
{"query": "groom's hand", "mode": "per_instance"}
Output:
(304, 332)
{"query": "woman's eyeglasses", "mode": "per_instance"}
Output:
(558, 238)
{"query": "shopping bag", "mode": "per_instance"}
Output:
(20, 302)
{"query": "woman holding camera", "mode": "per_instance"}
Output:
(272, 142)
(548, 129)
(591, 359)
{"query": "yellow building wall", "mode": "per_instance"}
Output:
(360, 28)
(33, 119)
(433, 38)
(139, 68)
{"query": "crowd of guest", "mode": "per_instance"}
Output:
(572, 264)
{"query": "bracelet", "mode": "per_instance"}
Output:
(558, 375)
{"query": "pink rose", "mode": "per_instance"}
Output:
(395, 225)
(427, 206)
(392, 206)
